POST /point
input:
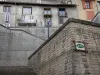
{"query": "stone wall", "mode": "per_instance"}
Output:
(16, 46)
(39, 32)
(55, 56)
(87, 63)
(58, 56)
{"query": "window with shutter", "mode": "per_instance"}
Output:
(87, 4)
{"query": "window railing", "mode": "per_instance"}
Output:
(62, 13)
(47, 13)
(27, 19)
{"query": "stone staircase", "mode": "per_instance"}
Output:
(16, 71)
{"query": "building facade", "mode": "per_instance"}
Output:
(87, 9)
(53, 13)
(19, 13)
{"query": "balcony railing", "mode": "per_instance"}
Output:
(62, 14)
(26, 20)
(47, 13)
(13, 20)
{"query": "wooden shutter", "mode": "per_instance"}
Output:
(83, 3)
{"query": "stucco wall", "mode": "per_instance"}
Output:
(82, 12)
(16, 46)
(58, 56)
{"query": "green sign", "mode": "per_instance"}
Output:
(80, 45)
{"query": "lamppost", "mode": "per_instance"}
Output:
(48, 27)
(48, 30)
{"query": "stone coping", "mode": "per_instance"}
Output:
(37, 4)
(22, 31)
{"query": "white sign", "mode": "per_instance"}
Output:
(80, 46)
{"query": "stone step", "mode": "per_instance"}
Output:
(16, 71)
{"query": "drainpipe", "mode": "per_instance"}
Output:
(48, 31)
(15, 14)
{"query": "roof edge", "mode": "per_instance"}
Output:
(65, 24)
(39, 4)
(95, 16)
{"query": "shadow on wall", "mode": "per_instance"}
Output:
(16, 46)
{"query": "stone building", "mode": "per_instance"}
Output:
(36, 13)
(74, 49)
(35, 16)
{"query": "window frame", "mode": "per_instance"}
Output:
(63, 10)
(7, 11)
(61, 18)
(48, 11)
(87, 4)
(26, 7)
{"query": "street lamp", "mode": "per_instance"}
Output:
(48, 26)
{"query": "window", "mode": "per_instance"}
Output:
(48, 21)
(62, 12)
(99, 3)
(47, 11)
(87, 4)
(7, 9)
(47, 16)
(27, 10)
(7, 18)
